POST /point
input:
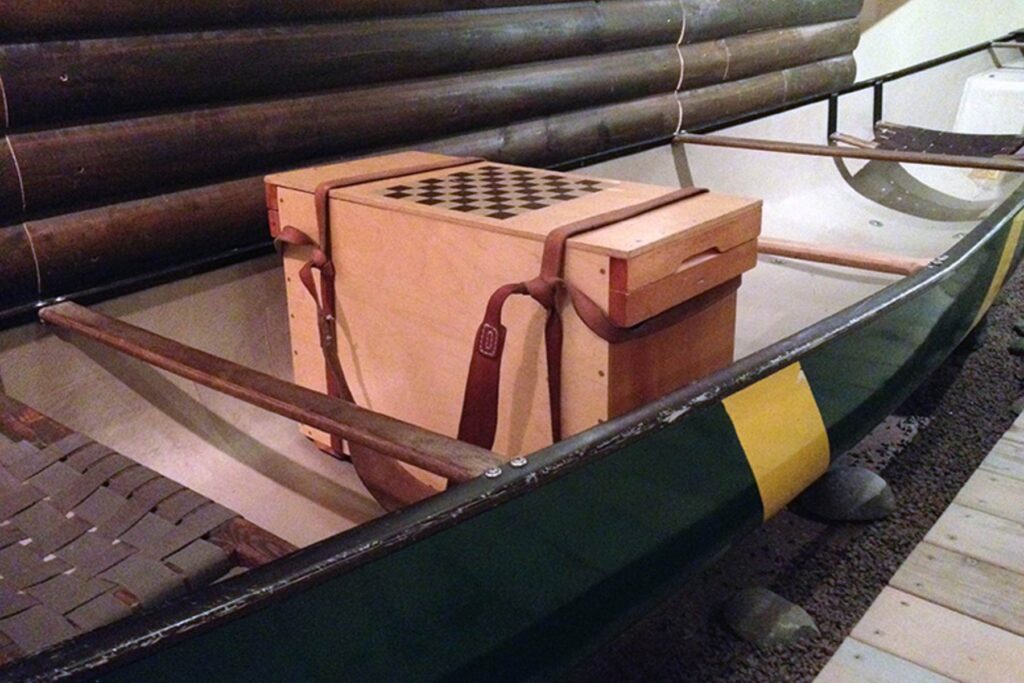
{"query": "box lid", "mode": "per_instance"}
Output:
(656, 259)
(531, 203)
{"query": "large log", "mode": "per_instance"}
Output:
(588, 133)
(732, 17)
(105, 17)
(147, 235)
(57, 168)
(72, 80)
(69, 80)
(98, 247)
(18, 282)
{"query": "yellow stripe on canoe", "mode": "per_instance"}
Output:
(1005, 259)
(782, 433)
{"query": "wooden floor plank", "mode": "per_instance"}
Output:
(966, 585)
(1016, 431)
(1006, 458)
(980, 535)
(857, 662)
(995, 494)
(941, 640)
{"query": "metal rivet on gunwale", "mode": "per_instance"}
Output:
(517, 462)
(493, 473)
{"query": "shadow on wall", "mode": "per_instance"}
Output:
(876, 10)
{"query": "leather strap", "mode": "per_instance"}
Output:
(479, 420)
(320, 259)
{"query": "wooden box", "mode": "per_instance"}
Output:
(417, 257)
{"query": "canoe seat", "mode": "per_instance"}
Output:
(88, 536)
(910, 138)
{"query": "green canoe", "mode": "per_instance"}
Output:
(518, 575)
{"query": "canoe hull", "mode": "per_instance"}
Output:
(512, 578)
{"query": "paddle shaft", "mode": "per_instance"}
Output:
(402, 441)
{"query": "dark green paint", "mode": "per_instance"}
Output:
(514, 592)
(861, 377)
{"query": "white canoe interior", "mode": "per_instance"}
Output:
(257, 463)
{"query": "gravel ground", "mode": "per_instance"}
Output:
(926, 452)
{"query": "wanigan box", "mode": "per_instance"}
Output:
(419, 243)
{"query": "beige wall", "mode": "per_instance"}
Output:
(898, 33)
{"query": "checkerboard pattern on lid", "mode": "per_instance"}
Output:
(499, 192)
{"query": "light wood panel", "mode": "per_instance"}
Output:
(980, 535)
(978, 589)
(941, 640)
(995, 494)
(1007, 459)
(645, 369)
(857, 662)
(410, 307)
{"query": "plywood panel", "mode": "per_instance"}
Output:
(941, 640)
(980, 535)
(857, 662)
(995, 494)
(647, 369)
(307, 361)
(978, 589)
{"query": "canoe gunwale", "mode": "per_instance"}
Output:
(125, 641)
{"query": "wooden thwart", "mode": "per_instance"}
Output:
(853, 141)
(784, 147)
(432, 452)
(865, 260)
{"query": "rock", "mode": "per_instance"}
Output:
(847, 494)
(1018, 327)
(1016, 347)
(766, 619)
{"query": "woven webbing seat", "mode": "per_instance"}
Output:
(88, 536)
(911, 138)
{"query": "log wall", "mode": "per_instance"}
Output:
(143, 149)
